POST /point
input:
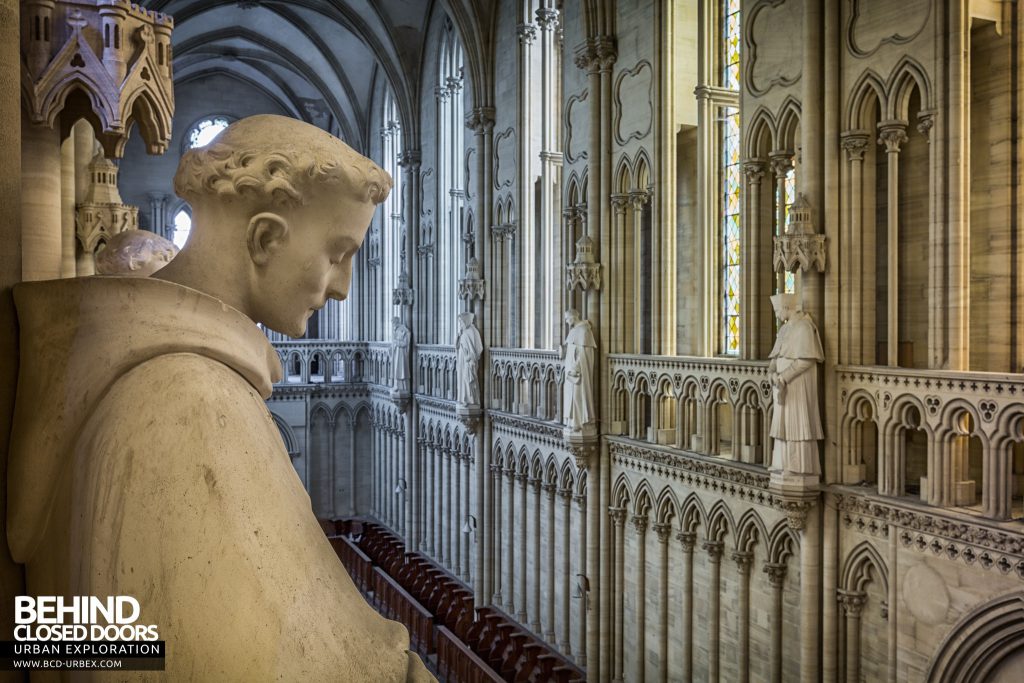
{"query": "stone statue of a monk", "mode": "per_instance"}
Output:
(578, 413)
(796, 420)
(135, 253)
(144, 461)
(400, 356)
(468, 348)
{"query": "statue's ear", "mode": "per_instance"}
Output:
(267, 232)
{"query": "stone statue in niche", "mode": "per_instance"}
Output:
(144, 461)
(134, 253)
(578, 413)
(400, 341)
(796, 420)
(468, 348)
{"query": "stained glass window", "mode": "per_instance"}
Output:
(205, 131)
(788, 282)
(730, 226)
(730, 53)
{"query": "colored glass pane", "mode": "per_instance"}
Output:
(205, 131)
(729, 210)
(729, 55)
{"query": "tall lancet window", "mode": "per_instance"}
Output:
(729, 172)
(393, 247)
(449, 253)
(540, 56)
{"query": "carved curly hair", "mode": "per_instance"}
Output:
(276, 161)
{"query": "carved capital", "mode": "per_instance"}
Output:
(852, 602)
(714, 550)
(754, 169)
(781, 162)
(527, 33)
(409, 160)
(892, 134)
(619, 201)
(640, 523)
(799, 252)
(565, 494)
(481, 120)
(796, 513)
(776, 572)
(471, 289)
(687, 539)
(547, 19)
(549, 489)
(743, 560)
(639, 199)
(618, 516)
(925, 122)
(855, 142)
(664, 532)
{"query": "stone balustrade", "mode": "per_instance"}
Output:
(526, 382)
(435, 371)
(952, 438)
(319, 361)
(712, 406)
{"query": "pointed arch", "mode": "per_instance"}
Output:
(863, 565)
(907, 75)
(789, 122)
(868, 86)
(979, 643)
(667, 506)
(720, 522)
(750, 531)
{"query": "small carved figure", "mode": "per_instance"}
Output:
(578, 389)
(134, 253)
(400, 356)
(468, 349)
(796, 421)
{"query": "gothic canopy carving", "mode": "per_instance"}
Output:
(116, 54)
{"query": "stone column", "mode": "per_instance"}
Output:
(830, 571)
(893, 134)
(549, 631)
(437, 528)
(510, 537)
(494, 528)
(857, 344)
(743, 560)
(687, 540)
(640, 524)
(67, 208)
(852, 602)
(521, 614)
(40, 202)
(457, 513)
(782, 163)
(714, 551)
(810, 596)
(564, 640)
(663, 531)
(581, 508)
(464, 512)
(619, 541)
(750, 329)
(445, 521)
(776, 572)
(413, 491)
(535, 625)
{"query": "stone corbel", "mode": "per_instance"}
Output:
(582, 450)
(470, 417)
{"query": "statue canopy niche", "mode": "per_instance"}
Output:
(140, 415)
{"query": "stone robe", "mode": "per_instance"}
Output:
(578, 389)
(796, 419)
(400, 358)
(468, 350)
(144, 462)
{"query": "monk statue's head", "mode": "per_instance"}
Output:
(785, 305)
(279, 209)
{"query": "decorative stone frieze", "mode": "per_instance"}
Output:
(117, 53)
